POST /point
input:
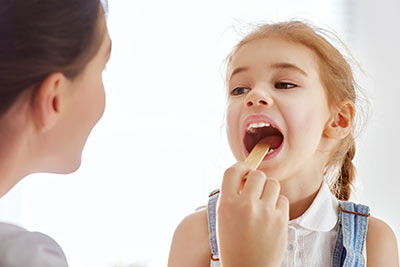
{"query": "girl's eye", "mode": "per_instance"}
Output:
(283, 85)
(240, 90)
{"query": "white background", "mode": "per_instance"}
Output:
(161, 147)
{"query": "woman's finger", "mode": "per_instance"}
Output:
(233, 177)
(283, 205)
(254, 185)
(271, 192)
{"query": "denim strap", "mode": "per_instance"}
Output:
(353, 224)
(212, 225)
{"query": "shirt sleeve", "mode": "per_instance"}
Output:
(23, 248)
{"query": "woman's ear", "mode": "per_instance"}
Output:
(47, 101)
(341, 121)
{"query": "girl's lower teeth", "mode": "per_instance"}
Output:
(270, 151)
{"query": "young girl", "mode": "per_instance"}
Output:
(52, 55)
(289, 85)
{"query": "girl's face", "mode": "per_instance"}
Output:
(275, 92)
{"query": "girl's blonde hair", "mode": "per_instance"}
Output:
(337, 78)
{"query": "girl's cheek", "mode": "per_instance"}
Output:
(232, 113)
(229, 123)
(232, 122)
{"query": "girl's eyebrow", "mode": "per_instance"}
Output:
(238, 70)
(278, 65)
(285, 65)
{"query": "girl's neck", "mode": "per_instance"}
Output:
(301, 191)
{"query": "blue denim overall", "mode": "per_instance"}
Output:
(352, 231)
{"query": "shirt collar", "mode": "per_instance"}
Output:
(322, 215)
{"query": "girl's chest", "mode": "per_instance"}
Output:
(306, 248)
(309, 248)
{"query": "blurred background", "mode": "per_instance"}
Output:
(161, 148)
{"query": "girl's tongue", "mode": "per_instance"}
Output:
(268, 135)
(274, 141)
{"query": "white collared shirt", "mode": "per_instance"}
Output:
(312, 236)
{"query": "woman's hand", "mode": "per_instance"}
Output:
(252, 219)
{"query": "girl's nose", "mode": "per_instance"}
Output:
(257, 100)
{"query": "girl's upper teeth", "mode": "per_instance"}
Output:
(257, 125)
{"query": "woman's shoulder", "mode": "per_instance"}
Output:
(190, 246)
(7, 229)
(19, 247)
(381, 244)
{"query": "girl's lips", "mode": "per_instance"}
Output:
(256, 118)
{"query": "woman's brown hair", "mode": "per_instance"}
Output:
(337, 77)
(39, 37)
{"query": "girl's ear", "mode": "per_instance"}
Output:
(341, 121)
(47, 101)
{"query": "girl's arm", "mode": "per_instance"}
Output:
(190, 245)
(381, 245)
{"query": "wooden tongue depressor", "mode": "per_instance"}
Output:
(257, 155)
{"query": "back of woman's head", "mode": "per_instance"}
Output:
(337, 78)
(39, 37)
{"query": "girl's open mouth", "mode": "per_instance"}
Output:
(263, 131)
